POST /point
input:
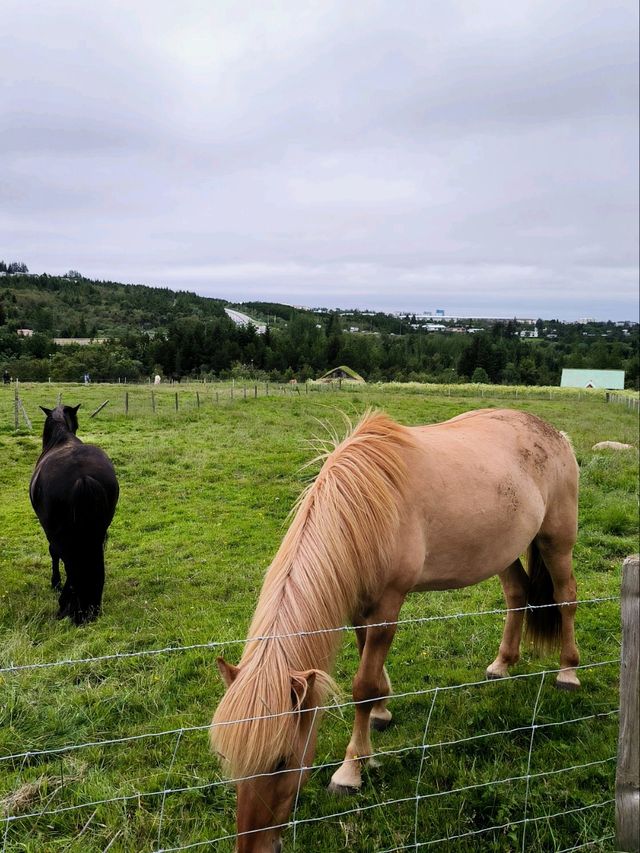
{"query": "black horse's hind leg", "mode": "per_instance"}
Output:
(88, 586)
(56, 582)
(65, 601)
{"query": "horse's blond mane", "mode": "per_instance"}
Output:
(335, 550)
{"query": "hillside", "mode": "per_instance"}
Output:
(63, 307)
(152, 330)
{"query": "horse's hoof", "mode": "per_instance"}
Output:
(494, 676)
(569, 686)
(342, 790)
(379, 723)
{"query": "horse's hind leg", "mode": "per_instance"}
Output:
(65, 600)
(515, 584)
(380, 717)
(560, 566)
(55, 569)
(89, 585)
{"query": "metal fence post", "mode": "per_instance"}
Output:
(628, 767)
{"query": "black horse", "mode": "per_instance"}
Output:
(74, 491)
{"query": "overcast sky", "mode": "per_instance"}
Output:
(475, 156)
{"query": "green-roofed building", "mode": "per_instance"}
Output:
(342, 372)
(612, 380)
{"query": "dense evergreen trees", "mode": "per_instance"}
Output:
(152, 330)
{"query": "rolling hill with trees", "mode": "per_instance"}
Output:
(145, 330)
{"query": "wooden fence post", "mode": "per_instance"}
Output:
(15, 407)
(176, 401)
(153, 402)
(25, 415)
(99, 409)
(126, 402)
(197, 399)
(255, 391)
(628, 768)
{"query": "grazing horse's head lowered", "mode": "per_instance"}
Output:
(267, 787)
(74, 491)
(393, 510)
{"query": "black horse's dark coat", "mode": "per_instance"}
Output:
(74, 491)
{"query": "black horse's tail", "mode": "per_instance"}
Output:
(543, 624)
(91, 508)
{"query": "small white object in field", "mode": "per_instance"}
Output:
(611, 445)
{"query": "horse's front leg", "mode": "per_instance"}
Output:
(367, 685)
(380, 717)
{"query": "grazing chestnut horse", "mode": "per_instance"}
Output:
(393, 510)
(74, 491)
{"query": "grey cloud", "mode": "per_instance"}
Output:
(380, 153)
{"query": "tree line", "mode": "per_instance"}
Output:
(182, 335)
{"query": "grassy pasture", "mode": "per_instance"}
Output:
(204, 499)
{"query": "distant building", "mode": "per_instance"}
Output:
(610, 379)
(342, 372)
(81, 342)
(25, 333)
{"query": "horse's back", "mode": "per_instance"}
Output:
(494, 440)
(500, 451)
(482, 485)
(75, 483)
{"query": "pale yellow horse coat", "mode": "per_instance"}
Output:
(394, 510)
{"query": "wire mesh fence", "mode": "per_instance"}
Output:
(167, 805)
(19, 407)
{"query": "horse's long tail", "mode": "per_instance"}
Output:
(543, 624)
(91, 507)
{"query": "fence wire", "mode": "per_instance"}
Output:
(220, 644)
(294, 823)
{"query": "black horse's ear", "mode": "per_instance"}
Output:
(74, 409)
(46, 411)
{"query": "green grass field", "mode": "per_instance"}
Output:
(205, 494)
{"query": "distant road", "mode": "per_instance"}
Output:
(241, 319)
